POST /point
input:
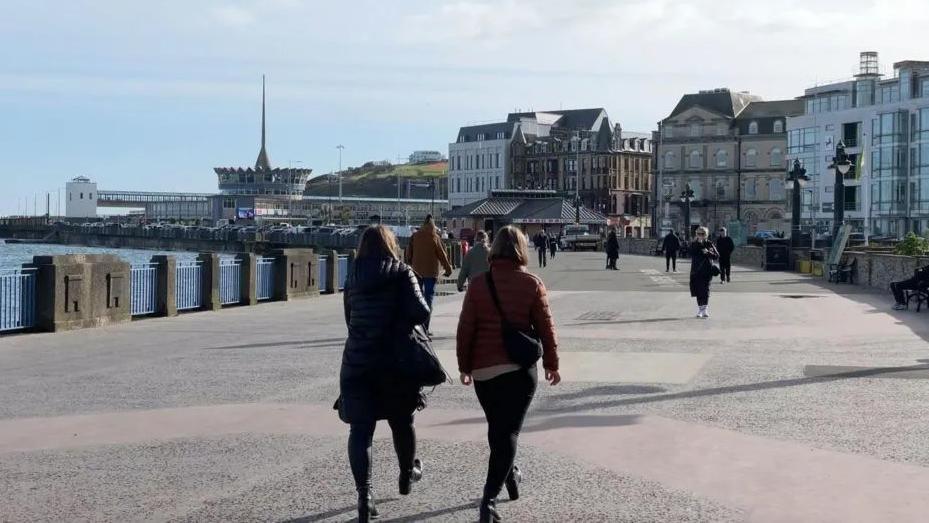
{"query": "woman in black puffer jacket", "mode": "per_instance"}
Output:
(383, 301)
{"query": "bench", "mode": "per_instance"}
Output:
(921, 295)
(843, 272)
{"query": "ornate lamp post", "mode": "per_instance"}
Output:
(798, 176)
(687, 195)
(840, 166)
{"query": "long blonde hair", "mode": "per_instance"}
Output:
(510, 244)
(378, 241)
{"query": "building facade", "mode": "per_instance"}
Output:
(81, 198)
(884, 124)
(478, 162)
(426, 157)
(631, 183)
(729, 149)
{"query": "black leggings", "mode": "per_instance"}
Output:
(505, 400)
(670, 258)
(360, 438)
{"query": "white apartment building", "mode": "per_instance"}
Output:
(478, 162)
(81, 198)
(426, 157)
(884, 124)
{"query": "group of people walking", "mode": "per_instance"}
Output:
(708, 259)
(545, 244)
(385, 300)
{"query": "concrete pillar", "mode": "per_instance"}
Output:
(166, 293)
(76, 291)
(332, 273)
(210, 283)
(248, 278)
(295, 274)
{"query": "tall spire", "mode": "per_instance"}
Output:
(263, 162)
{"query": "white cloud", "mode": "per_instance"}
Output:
(233, 16)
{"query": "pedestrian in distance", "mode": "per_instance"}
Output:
(920, 280)
(504, 389)
(612, 250)
(475, 262)
(383, 301)
(670, 245)
(725, 247)
(702, 270)
(540, 241)
(552, 245)
(425, 253)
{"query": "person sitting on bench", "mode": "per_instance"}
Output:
(919, 280)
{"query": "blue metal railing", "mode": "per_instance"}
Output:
(343, 270)
(188, 286)
(264, 281)
(143, 288)
(17, 299)
(230, 281)
(323, 277)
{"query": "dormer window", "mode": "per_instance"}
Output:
(753, 128)
(778, 126)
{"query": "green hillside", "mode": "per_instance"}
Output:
(380, 181)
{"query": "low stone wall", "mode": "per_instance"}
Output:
(746, 255)
(878, 270)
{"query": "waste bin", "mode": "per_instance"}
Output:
(776, 254)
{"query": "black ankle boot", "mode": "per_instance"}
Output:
(512, 483)
(366, 509)
(407, 478)
(488, 511)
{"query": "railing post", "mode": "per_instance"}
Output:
(209, 283)
(166, 277)
(248, 275)
(294, 274)
(77, 291)
(332, 273)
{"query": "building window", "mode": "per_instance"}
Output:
(778, 126)
(722, 158)
(669, 160)
(695, 129)
(696, 159)
(777, 157)
(751, 158)
(749, 188)
(499, 135)
(776, 190)
(753, 128)
(82, 196)
(721, 130)
(480, 137)
(70, 197)
(668, 133)
(90, 196)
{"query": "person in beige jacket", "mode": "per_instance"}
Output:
(425, 253)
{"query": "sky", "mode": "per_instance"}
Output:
(153, 95)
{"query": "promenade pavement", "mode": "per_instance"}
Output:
(796, 401)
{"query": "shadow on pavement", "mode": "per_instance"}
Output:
(438, 512)
(564, 422)
(324, 341)
(333, 513)
(750, 387)
(621, 322)
(609, 390)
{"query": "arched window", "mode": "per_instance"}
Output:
(748, 189)
(669, 161)
(751, 158)
(777, 157)
(697, 188)
(778, 126)
(720, 190)
(722, 158)
(696, 159)
(776, 189)
(753, 128)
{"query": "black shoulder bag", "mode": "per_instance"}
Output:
(523, 348)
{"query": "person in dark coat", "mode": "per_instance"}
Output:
(540, 241)
(552, 245)
(612, 250)
(725, 247)
(670, 245)
(702, 254)
(383, 302)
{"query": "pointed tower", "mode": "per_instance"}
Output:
(262, 163)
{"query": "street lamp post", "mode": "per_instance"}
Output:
(576, 139)
(798, 176)
(840, 166)
(687, 195)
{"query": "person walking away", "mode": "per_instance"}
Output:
(670, 245)
(725, 247)
(504, 389)
(552, 245)
(425, 253)
(382, 301)
(475, 262)
(920, 280)
(541, 245)
(612, 250)
(702, 254)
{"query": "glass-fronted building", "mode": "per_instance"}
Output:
(884, 124)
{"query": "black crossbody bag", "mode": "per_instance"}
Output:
(523, 348)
